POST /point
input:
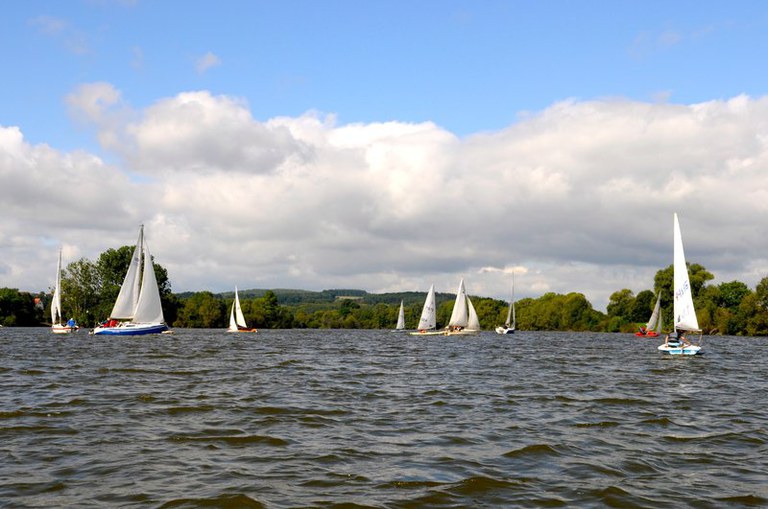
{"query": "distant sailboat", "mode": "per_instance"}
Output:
(684, 319)
(137, 310)
(509, 324)
(464, 319)
(653, 328)
(236, 318)
(400, 327)
(57, 327)
(428, 321)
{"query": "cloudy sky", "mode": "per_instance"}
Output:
(388, 145)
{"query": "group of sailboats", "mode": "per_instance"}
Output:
(138, 310)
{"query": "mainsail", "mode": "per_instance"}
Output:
(56, 302)
(400, 318)
(654, 322)
(685, 314)
(459, 315)
(428, 318)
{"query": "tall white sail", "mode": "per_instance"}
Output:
(56, 301)
(239, 318)
(459, 315)
(125, 305)
(428, 318)
(685, 314)
(400, 318)
(148, 306)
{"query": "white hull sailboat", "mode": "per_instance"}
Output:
(509, 324)
(57, 327)
(684, 313)
(428, 321)
(236, 318)
(400, 327)
(137, 310)
(464, 321)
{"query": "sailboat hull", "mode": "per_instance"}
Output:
(427, 333)
(463, 332)
(649, 334)
(63, 329)
(505, 330)
(680, 350)
(131, 329)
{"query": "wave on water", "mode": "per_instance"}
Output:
(353, 419)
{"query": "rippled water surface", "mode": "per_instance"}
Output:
(378, 419)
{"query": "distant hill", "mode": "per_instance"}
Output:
(291, 297)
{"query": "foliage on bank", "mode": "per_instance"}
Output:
(90, 288)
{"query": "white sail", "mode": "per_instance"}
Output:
(148, 306)
(685, 314)
(653, 321)
(125, 305)
(660, 323)
(400, 318)
(428, 318)
(232, 322)
(473, 322)
(459, 315)
(511, 311)
(239, 318)
(56, 302)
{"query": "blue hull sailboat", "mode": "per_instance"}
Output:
(137, 310)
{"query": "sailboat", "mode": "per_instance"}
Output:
(653, 328)
(400, 327)
(464, 321)
(236, 318)
(428, 321)
(57, 327)
(684, 312)
(137, 310)
(509, 324)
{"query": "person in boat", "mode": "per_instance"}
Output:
(671, 339)
(643, 330)
(71, 323)
(683, 340)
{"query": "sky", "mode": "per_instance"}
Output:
(386, 146)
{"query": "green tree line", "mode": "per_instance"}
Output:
(90, 288)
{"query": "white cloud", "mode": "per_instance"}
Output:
(206, 62)
(578, 197)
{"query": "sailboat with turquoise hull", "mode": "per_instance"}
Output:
(137, 310)
(684, 319)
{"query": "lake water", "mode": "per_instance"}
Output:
(324, 418)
